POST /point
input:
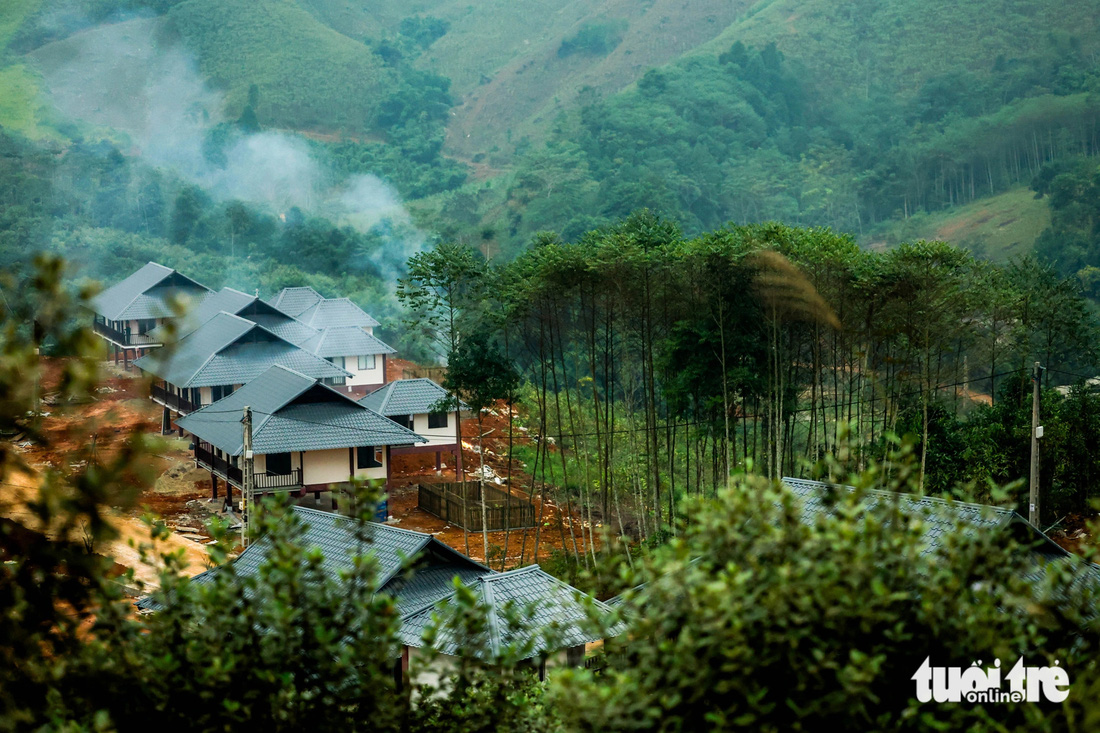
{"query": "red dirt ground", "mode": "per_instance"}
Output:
(171, 488)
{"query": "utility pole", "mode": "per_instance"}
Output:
(248, 475)
(1036, 433)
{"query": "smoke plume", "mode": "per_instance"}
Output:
(120, 76)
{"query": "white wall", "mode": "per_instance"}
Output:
(435, 436)
(377, 375)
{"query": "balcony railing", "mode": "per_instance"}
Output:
(264, 482)
(173, 401)
(124, 338)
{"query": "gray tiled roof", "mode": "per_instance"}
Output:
(940, 516)
(286, 327)
(247, 306)
(330, 312)
(346, 341)
(147, 293)
(432, 572)
(228, 349)
(428, 585)
(544, 601)
(296, 301)
(292, 412)
(406, 397)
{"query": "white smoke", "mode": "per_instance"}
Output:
(120, 76)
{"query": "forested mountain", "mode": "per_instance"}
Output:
(494, 121)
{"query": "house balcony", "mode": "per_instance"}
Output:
(126, 339)
(174, 402)
(264, 482)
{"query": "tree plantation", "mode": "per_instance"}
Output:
(657, 365)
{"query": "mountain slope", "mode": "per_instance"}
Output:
(307, 74)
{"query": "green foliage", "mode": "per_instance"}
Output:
(308, 75)
(594, 39)
(1072, 189)
(479, 373)
(442, 292)
(287, 648)
(423, 29)
(754, 619)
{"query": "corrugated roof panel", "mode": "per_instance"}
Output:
(324, 426)
(217, 353)
(940, 516)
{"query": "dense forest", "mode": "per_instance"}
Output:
(664, 363)
(762, 112)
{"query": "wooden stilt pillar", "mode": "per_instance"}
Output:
(438, 461)
(165, 421)
(213, 485)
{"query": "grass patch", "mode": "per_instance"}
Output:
(996, 228)
(20, 108)
(307, 74)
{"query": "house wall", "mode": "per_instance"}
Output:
(331, 467)
(435, 436)
(377, 375)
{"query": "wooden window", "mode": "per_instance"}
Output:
(366, 361)
(368, 456)
(437, 419)
(278, 464)
(337, 360)
(403, 420)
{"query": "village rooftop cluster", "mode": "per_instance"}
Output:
(313, 374)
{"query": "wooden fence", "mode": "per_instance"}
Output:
(446, 501)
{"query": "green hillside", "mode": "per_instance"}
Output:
(496, 120)
(996, 227)
(308, 75)
(896, 45)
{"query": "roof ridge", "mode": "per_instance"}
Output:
(519, 571)
(130, 302)
(491, 616)
(210, 358)
(321, 512)
(950, 501)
